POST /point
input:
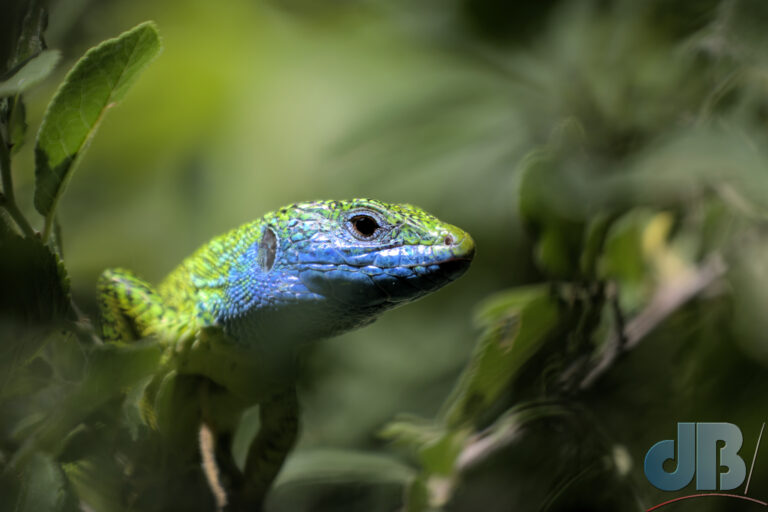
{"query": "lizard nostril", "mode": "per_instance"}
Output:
(448, 240)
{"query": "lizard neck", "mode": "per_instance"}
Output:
(197, 288)
(250, 372)
(288, 327)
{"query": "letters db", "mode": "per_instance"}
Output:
(697, 454)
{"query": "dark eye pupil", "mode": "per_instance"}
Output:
(365, 225)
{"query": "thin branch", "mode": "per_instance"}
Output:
(210, 468)
(47, 227)
(8, 198)
(668, 299)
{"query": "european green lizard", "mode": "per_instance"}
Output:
(233, 315)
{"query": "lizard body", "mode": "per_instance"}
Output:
(233, 315)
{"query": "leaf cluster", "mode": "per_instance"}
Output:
(55, 374)
(644, 202)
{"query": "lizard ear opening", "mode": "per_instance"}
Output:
(267, 250)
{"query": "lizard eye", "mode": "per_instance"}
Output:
(364, 227)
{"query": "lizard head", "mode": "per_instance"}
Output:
(364, 252)
(340, 263)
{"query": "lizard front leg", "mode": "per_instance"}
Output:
(130, 307)
(278, 431)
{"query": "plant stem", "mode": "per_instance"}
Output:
(47, 226)
(668, 298)
(9, 198)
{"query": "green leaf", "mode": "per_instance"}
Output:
(436, 446)
(366, 481)
(520, 320)
(66, 357)
(594, 239)
(412, 431)
(417, 496)
(98, 481)
(622, 259)
(112, 370)
(97, 82)
(343, 465)
(556, 220)
(135, 408)
(21, 382)
(439, 457)
(38, 279)
(501, 305)
(31, 73)
(7, 226)
(22, 26)
(17, 124)
(41, 486)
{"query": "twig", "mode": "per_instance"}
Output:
(8, 198)
(210, 468)
(504, 431)
(670, 297)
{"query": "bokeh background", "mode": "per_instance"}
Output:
(530, 125)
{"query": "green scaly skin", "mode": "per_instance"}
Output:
(233, 316)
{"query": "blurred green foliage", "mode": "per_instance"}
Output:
(607, 156)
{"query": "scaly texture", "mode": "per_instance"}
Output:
(235, 312)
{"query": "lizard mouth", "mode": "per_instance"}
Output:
(394, 275)
(454, 254)
(454, 268)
